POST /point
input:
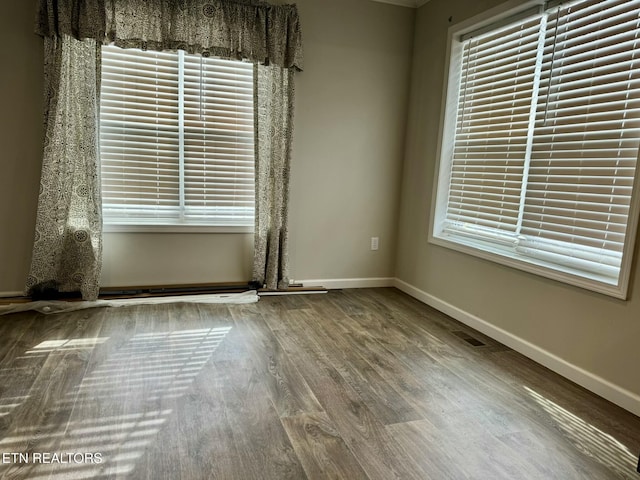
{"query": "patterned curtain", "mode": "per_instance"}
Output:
(274, 95)
(67, 251)
(260, 33)
(68, 245)
(242, 29)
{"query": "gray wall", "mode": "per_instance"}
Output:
(350, 126)
(350, 123)
(591, 331)
(21, 85)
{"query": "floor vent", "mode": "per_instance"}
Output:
(469, 339)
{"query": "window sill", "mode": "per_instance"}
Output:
(129, 228)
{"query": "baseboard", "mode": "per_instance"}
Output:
(11, 294)
(598, 385)
(335, 283)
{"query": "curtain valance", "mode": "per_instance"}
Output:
(80, 19)
(258, 32)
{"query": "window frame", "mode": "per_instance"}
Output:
(440, 193)
(175, 225)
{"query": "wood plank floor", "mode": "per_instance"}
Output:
(356, 384)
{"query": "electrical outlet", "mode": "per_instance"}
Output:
(374, 243)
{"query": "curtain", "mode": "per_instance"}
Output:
(240, 29)
(274, 95)
(67, 251)
(260, 33)
(79, 19)
(67, 248)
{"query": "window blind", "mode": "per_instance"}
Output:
(492, 132)
(586, 137)
(547, 136)
(176, 138)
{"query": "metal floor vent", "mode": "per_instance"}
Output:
(469, 339)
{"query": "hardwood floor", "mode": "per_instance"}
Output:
(356, 384)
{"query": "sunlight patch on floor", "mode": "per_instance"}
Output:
(149, 369)
(588, 439)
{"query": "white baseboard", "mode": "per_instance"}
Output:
(335, 283)
(11, 294)
(598, 385)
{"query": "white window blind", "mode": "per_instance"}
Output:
(493, 132)
(176, 138)
(547, 130)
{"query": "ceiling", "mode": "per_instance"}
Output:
(405, 3)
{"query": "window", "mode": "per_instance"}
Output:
(540, 138)
(176, 139)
